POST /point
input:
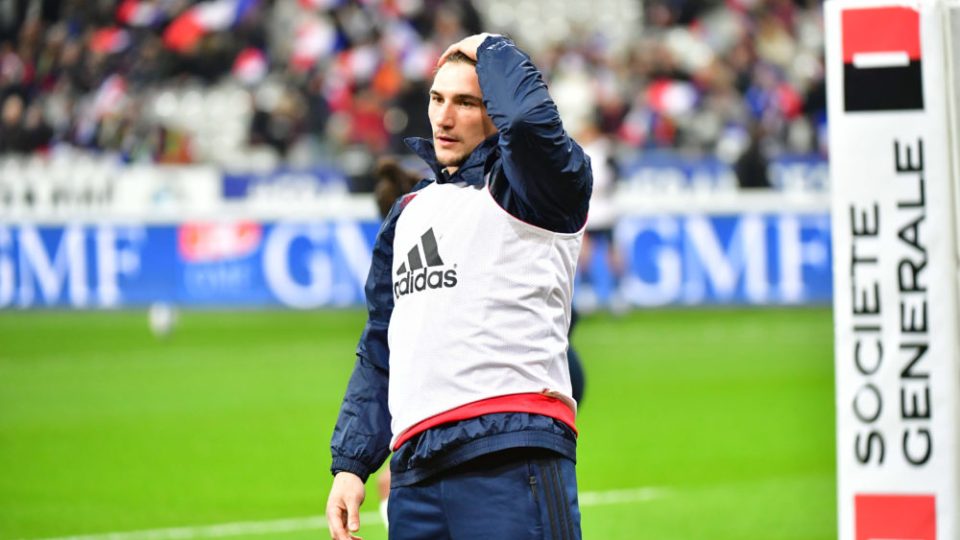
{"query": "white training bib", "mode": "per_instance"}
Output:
(481, 305)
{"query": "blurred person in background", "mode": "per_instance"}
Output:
(37, 133)
(752, 165)
(393, 182)
(602, 218)
(12, 137)
(468, 324)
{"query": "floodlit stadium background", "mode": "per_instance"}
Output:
(212, 161)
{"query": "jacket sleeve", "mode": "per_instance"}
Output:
(545, 168)
(361, 438)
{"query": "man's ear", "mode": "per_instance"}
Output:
(489, 127)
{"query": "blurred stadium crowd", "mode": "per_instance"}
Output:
(248, 84)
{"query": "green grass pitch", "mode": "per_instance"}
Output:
(726, 416)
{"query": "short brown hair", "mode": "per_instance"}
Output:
(457, 58)
(460, 58)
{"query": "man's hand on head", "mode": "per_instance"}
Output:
(467, 46)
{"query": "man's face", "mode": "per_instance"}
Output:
(457, 114)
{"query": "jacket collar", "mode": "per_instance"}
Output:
(471, 171)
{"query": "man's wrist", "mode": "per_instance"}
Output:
(341, 464)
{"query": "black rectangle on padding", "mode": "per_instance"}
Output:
(883, 88)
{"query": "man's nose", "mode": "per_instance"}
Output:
(445, 116)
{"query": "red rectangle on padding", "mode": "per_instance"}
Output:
(887, 29)
(903, 517)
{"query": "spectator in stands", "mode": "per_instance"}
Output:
(11, 125)
(751, 167)
(36, 131)
(278, 121)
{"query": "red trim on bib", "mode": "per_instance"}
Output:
(525, 403)
(406, 199)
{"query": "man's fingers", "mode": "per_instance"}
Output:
(335, 523)
(450, 50)
(343, 522)
(343, 506)
(467, 46)
(353, 513)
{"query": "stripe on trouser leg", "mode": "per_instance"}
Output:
(548, 498)
(566, 520)
(554, 498)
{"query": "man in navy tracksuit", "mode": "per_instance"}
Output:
(461, 369)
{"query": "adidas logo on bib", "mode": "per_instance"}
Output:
(420, 273)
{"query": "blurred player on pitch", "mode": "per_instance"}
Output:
(469, 303)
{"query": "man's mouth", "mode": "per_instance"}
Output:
(445, 140)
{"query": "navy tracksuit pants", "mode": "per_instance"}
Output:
(512, 495)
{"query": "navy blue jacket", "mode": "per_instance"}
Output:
(539, 175)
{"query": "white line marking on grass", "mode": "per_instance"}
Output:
(245, 528)
(223, 530)
(621, 496)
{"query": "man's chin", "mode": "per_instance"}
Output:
(450, 160)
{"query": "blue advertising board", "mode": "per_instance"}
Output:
(752, 259)
(668, 260)
(283, 182)
(215, 264)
